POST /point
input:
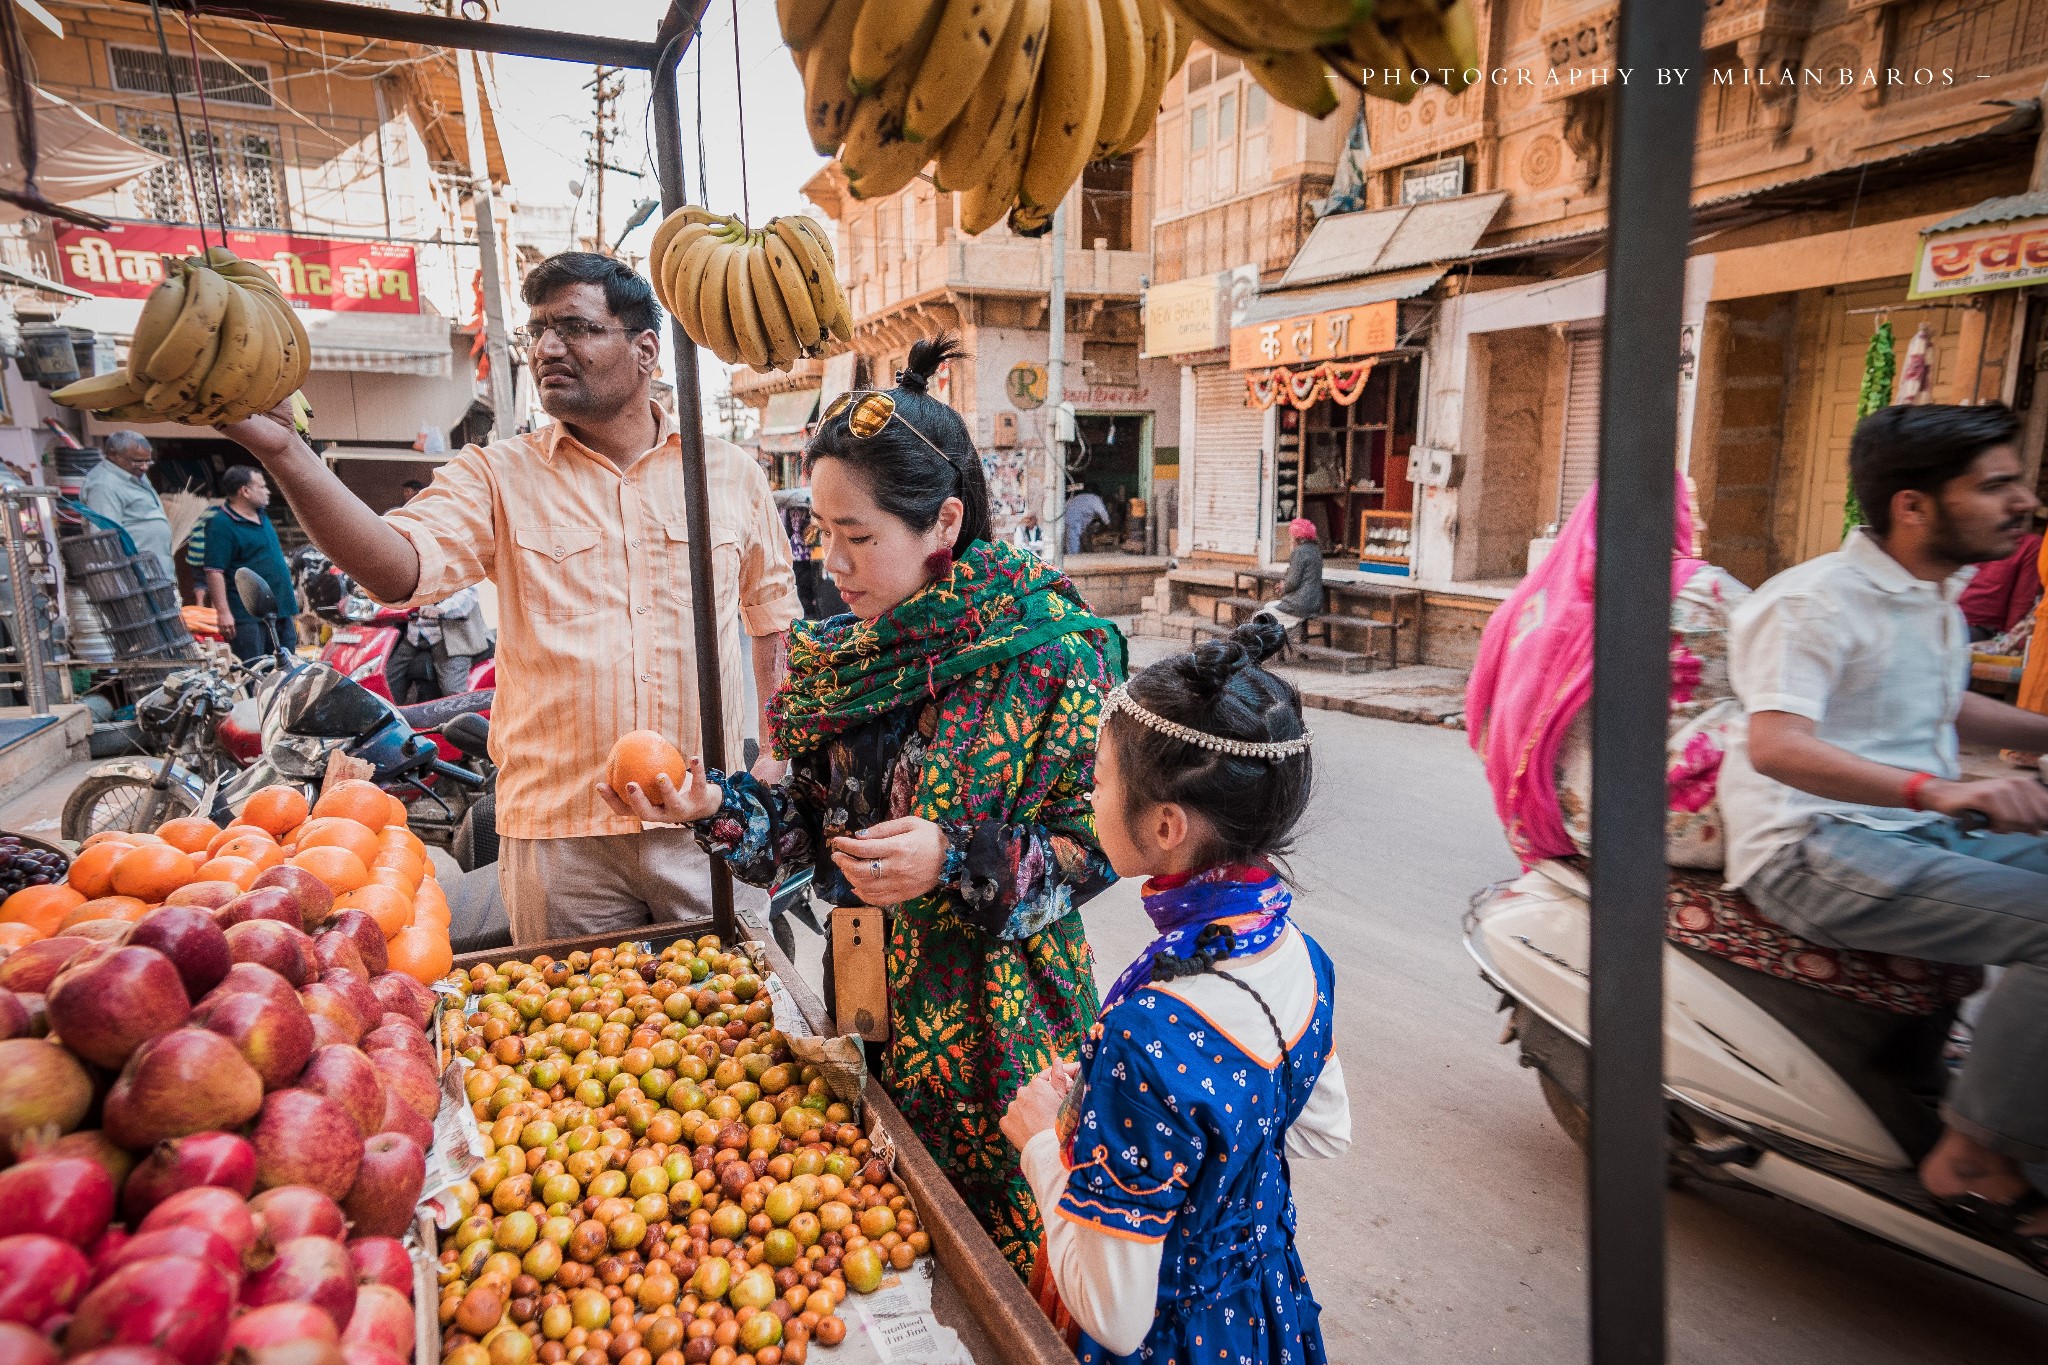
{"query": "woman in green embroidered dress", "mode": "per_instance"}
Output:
(941, 742)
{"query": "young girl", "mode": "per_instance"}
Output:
(1161, 1157)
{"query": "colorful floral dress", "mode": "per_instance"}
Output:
(1703, 706)
(1180, 1138)
(990, 977)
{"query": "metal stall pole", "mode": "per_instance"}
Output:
(678, 28)
(27, 631)
(1650, 217)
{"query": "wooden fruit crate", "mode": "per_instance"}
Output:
(975, 1293)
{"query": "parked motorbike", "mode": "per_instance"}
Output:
(363, 633)
(308, 711)
(1769, 1085)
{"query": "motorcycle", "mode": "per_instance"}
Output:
(363, 633)
(1769, 1085)
(309, 711)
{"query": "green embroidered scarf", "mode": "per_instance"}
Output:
(998, 602)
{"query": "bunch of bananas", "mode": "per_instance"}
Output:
(1011, 98)
(1285, 44)
(765, 297)
(217, 341)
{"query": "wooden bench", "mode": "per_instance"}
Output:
(1302, 650)
(1303, 644)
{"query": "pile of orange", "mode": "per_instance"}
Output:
(354, 838)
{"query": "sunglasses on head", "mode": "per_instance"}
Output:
(868, 411)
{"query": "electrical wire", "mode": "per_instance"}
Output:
(178, 114)
(220, 203)
(739, 90)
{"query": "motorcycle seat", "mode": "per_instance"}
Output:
(426, 715)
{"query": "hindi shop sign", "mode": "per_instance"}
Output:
(1331, 335)
(125, 261)
(1984, 256)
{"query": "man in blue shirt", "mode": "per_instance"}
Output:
(239, 536)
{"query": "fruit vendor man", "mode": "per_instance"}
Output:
(580, 525)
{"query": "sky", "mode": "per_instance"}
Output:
(546, 116)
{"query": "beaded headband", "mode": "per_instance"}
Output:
(1120, 699)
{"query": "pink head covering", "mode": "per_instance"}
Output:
(1535, 672)
(1303, 529)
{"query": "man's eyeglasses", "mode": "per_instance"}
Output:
(868, 411)
(570, 330)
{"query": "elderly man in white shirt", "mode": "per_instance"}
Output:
(1842, 800)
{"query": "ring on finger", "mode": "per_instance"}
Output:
(875, 868)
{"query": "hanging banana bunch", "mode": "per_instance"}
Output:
(217, 341)
(1285, 44)
(765, 297)
(1010, 98)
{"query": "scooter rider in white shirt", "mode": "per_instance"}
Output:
(1853, 669)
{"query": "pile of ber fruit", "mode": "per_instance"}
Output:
(666, 1185)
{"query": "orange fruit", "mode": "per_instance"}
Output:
(342, 870)
(275, 809)
(422, 953)
(237, 830)
(432, 913)
(401, 838)
(397, 816)
(413, 864)
(395, 878)
(638, 757)
(14, 936)
(188, 833)
(92, 871)
(431, 898)
(363, 802)
(240, 871)
(327, 831)
(106, 907)
(152, 872)
(117, 836)
(390, 907)
(41, 908)
(259, 849)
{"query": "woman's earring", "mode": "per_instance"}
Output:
(938, 563)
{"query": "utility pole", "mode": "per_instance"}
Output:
(503, 419)
(606, 86)
(1056, 386)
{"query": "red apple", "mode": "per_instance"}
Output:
(382, 1260)
(412, 1078)
(293, 1211)
(368, 938)
(189, 1080)
(313, 1270)
(68, 1197)
(176, 1304)
(354, 1353)
(356, 986)
(351, 1080)
(40, 1083)
(403, 995)
(271, 944)
(337, 952)
(40, 1277)
(399, 1034)
(277, 1324)
(394, 1170)
(33, 966)
(270, 902)
(274, 1035)
(14, 1020)
(207, 896)
(246, 977)
(327, 1033)
(401, 1117)
(382, 1320)
(334, 1002)
(316, 900)
(175, 1164)
(186, 1239)
(303, 1138)
(20, 1346)
(196, 946)
(213, 1207)
(108, 1007)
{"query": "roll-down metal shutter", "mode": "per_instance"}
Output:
(1229, 466)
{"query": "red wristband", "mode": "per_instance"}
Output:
(1912, 790)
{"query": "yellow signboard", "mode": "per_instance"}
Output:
(1984, 256)
(1187, 315)
(1360, 330)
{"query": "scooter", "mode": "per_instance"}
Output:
(1769, 1085)
(363, 633)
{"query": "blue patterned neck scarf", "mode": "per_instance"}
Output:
(1251, 902)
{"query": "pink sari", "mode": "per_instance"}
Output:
(1535, 672)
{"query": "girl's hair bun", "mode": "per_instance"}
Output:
(1210, 666)
(926, 355)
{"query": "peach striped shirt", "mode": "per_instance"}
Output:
(593, 578)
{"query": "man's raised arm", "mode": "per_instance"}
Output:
(356, 539)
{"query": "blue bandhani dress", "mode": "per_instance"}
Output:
(1178, 1138)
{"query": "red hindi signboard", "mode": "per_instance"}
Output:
(125, 261)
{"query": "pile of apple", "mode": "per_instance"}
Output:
(667, 1185)
(151, 1082)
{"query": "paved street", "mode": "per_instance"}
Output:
(1451, 1233)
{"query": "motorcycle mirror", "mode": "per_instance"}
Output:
(469, 733)
(257, 599)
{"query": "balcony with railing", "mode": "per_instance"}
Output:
(1013, 266)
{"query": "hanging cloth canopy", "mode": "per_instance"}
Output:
(80, 156)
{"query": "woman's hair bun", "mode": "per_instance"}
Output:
(1210, 666)
(925, 358)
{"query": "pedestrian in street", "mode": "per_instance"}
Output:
(795, 506)
(118, 489)
(581, 526)
(1164, 1149)
(940, 740)
(195, 560)
(433, 657)
(239, 536)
